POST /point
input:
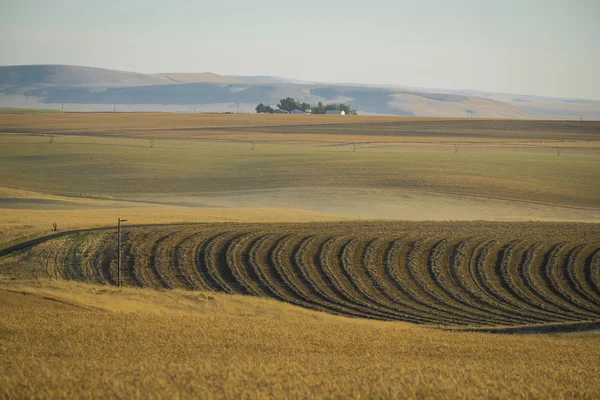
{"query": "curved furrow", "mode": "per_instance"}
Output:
(235, 260)
(552, 262)
(155, 266)
(143, 243)
(162, 259)
(71, 262)
(471, 282)
(101, 251)
(509, 271)
(107, 263)
(443, 257)
(203, 264)
(400, 288)
(281, 257)
(595, 271)
(530, 285)
(573, 283)
(184, 261)
(78, 257)
(576, 275)
(533, 280)
(460, 286)
(490, 280)
(486, 261)
(559, 276)
(435, 258)
(303, 265)
(352, 269)
(53, 266)
(274, 271)
(89, 252)
(330, 260)
(417, 261)
(49, 265)
(200, 254)
(255, 272)
(129, 274)
(58, 258)
(382, 261)
(591, 274)
(216, 263)
(324, 267)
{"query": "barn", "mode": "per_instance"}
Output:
(280, 111)
(298, 112)
(335, 112)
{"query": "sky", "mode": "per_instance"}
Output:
(535, 47)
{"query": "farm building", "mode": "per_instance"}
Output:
(298, 112)
(335, 112)
(280, 111)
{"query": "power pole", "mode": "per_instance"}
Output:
(115, 107)
(119, 251)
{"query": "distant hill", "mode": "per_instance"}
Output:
(74, 76)
(86, 88)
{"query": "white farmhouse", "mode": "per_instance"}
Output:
(335, 112)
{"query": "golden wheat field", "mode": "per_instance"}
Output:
(274, 256)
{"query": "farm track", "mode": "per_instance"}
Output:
(437, 278)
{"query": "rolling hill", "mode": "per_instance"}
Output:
(96, 89)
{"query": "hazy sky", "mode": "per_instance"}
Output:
(542, 47)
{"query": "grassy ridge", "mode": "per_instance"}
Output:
(467, 274)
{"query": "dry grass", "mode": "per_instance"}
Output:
(145, 344)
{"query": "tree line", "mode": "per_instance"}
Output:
(288, 104)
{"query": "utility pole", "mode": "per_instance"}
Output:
(119, 251)
(115, 107)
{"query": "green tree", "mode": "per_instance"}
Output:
(261, 108)
(288, 104)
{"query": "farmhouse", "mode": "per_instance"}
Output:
(298, 112)
(280, 111)
(335, 112)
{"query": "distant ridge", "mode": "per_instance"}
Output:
(99, 89)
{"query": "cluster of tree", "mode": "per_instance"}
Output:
(289, 104)
(262, 109)
(322, 109)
